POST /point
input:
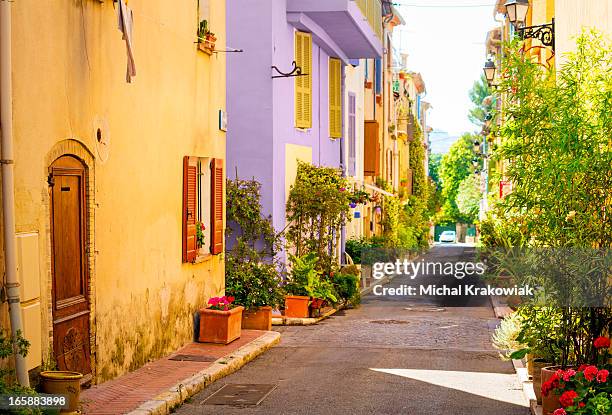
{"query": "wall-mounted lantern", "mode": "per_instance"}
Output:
(516, 11)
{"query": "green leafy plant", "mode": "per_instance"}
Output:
(252, 273)
(9, 347)
(556, 151)
(347, 287)
(317, 208)
(306, 280)
(204, 31)
(540, 334)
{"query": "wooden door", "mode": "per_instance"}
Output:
(70, 290)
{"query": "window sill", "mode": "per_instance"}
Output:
(203, 258)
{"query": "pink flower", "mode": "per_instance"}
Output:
(602, 376)
(568, 374)
(590, 372)
(214, 301)
(560, 411)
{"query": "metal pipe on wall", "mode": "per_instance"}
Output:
(8, 185)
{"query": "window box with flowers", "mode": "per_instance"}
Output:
(221, 321)
(206, 38)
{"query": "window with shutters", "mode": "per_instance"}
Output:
(352, 132)
(303, 84)
(202, 207)
(335, 98)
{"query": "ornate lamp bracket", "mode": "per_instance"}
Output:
(544, 33)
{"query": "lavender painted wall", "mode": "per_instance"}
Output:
(261, 110)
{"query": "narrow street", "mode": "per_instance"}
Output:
(389, 356)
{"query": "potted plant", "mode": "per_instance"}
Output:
(297, 299)
(255, 285)
(309, 291)
(251, 269)
(206, 38)
(221, 321)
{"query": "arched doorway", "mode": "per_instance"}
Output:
(70, 289)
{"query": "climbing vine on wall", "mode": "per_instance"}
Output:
(317, 208)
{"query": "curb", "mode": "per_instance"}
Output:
(500, 308)
(523, 376)
(165, 402)
(306, 321)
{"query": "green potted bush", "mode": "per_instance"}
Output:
(252, 274)
(306, 291)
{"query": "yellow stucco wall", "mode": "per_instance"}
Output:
(571, 17)
(69, 80)
(293, 154)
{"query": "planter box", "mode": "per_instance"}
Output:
(296, 306)
(257, 319)
(63, 383)
(218, 326)
(551, 402)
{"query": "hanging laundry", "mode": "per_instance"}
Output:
(125, 19)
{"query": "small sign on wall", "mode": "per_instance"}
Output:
(222, 120)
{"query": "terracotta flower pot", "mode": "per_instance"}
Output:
(536, 366)
(218, 326)
(259, 318)
(550, 402)
(296, 306)
(63, 383)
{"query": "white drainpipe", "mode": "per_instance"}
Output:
(8, 184)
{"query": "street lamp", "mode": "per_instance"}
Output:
(489, 71)
(516, 10)
(477, 147)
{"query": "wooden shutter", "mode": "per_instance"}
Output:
(303, 84)
(190, 176)
(335, 98)
(217, 206)
(352, 134)
(371, 162)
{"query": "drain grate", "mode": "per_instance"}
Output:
(193, 358)
(389, 321)
(240, 395)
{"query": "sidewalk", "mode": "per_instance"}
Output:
(160, 386)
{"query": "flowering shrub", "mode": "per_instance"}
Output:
(220, 303)
(586, 390)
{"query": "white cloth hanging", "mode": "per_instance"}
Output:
(125, 19)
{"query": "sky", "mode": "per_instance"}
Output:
(445, 42)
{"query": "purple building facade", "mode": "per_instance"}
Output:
(262, 139)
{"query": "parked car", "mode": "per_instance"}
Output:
(448, 236)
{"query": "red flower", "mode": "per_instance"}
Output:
(590, 372)
(560, 411)
(550, 384)
(568, 374)
(582, 404)
(567, 399)
(581, 367)
(602, 376)
(601, 343)
(230, 299)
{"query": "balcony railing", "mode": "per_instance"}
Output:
(372, 10)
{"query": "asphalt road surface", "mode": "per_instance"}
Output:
(392, 355)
